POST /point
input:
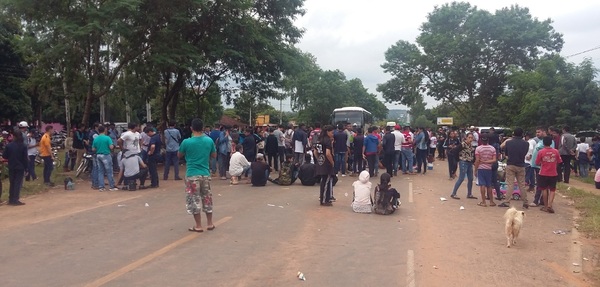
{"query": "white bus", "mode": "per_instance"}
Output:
(352, 115)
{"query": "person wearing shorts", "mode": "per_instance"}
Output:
(485, 156)
(548, 159)
(197, 151)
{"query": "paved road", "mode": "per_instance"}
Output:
(87, 238)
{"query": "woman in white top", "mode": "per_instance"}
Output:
(583, 157)
(432, 144)
(361, 202)
(238, 164)
(32, 151)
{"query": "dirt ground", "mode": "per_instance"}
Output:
(265, 236)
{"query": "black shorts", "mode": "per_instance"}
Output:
(547, 182)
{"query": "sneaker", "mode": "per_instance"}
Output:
(16, 203)
(333, 199)
(101, 189)
(504, 204)
(114, 189)
(343, 174)
(533, 204)
(179, 178)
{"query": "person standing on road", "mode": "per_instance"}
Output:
(16, 154)
(340, 137)
(452, 146)
(407, 152)
(172, 139)
(79, 139)
(540, 133)
(280, 143)
(300, 141)
(399, 140)
(197, 151)
(548, 158)
(153, 156)
(567, 147)
(389, 141)
(103, 146)
(516, 149)
(466, 157)
(485, 156)
(324, 165)
(46, 154)
(370, 149)
(32, 151)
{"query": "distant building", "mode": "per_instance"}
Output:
(399, 116)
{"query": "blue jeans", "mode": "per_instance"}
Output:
(529, 176)
(340, 162)
(466, 169)
(171, 159)
(213, 165)
(397, 159)
(48, 167)
(31, 168)
(407, 160)
(95, 168)
(105, 166)
(583, 168)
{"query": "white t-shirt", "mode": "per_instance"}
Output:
(433, 143)
(399, 139)
(582, 147)
(532, 145)
(130, 166)
(237, 163)
(362, 193)
(131, 141)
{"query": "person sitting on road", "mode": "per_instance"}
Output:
(132, 168)
(306, 172)
(260, 171)
(362, 201)
(238, 164)
(286, 172)
(386, 197)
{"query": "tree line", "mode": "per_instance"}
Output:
(498, 69)
(61, 61)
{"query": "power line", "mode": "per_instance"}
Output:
(583, 52)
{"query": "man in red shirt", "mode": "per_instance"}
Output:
(548, 159)
(407, 152)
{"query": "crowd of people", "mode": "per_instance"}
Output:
(317, 156)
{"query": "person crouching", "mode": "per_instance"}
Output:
(132, 168)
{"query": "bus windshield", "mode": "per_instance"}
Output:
(351, 117)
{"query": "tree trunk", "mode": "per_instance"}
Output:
(171, 93)
(67, 105)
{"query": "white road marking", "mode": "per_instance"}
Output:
(410, 269)
(410, 192)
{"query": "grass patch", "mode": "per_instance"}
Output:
(32, 187)
(589, 206)
(589, 179)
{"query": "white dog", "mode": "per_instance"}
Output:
(514, 222)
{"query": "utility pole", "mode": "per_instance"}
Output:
(280, 111)
(148, 111)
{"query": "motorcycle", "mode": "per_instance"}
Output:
(57, 162)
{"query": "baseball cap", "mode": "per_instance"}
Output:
(23, 124)
(397, 127)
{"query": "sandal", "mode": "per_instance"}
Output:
(471, 197)
(193, 229)
(550, 210)
(211, 228)
(454, 196)
(544, 209)
(482, 204)
(492, 204)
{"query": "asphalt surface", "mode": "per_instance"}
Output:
(266, 235)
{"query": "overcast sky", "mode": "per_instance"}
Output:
(352, 35)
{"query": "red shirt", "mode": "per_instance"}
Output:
(548, 158)
(407, 140)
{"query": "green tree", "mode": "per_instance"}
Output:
(463, 56)
(555, 93)
(16, 105)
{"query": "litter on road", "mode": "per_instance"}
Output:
(271, 205)
(462, 207)
(146, 204)
(560, 232)
(301, 276)
(443, 199)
